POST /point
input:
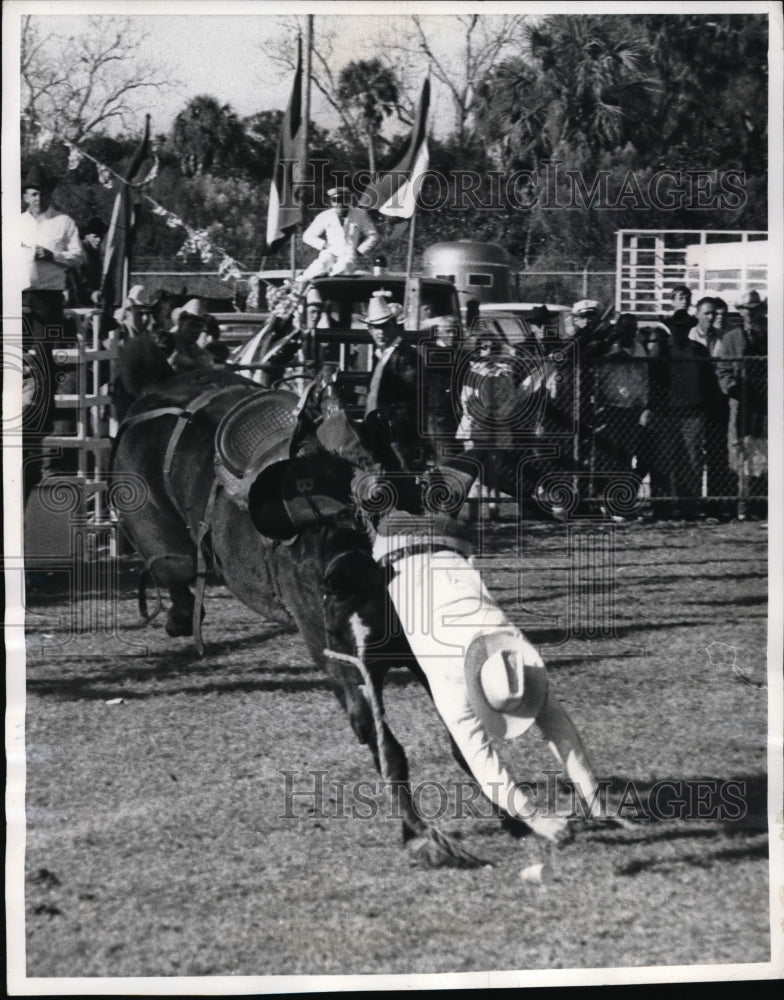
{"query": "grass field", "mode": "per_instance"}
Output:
(160, 841)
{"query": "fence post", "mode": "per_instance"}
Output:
(593, 399)
(740, 451)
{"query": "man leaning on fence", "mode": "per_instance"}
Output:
(50, 245)
(743, 377)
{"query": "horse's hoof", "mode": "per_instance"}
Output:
(176, 626)
(180, 625)
(434, 849)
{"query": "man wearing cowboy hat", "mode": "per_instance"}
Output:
(50, 245)
(395, 379)
(339, 233)
(416, 397)
(134, 316)
(188, 328)
(743, 377)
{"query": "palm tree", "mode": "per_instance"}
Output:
(370, 90)
(207, 134)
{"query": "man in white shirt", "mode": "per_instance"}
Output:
(339, 233)
(705, 332)
(50, 245)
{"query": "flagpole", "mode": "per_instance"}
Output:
(306, 104)
(410, 260)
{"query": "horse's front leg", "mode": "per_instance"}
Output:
(426, 845)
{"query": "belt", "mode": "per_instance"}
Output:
(388, 559)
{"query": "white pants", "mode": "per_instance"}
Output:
(443, 605)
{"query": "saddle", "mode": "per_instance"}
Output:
(264, 470)
(254, 434)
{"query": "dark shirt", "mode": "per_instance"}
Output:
(141, 363)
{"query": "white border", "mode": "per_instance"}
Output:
(18, 983)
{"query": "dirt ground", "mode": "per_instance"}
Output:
(163, 838)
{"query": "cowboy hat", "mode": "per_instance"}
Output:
(381, 309)
(137, 296)
(193, 307)
(585, 306)
(540, 315)
(38, 178)
(96, 227)
(749, 300)
(506, 682)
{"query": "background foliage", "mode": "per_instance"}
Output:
(615, 94)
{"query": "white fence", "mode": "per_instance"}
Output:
(650, 262)
(86, 371)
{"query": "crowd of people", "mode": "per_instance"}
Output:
(680, 402)
(673, 402)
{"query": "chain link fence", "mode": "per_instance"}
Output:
(690, 435)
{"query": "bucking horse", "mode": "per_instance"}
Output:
(248, 484)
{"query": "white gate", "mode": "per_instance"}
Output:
(723, 262)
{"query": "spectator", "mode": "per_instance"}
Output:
(422, 423)
(134, 317)
(84, 283)
(680, 298)
(488, 400)
(542, 322)
(720, 322)
(339, 233)
(722, 481)
(210, 340)
(704, 331)
(586, 322)
(579, 388)
(50, 244)
(743, 377)
(681, 395)
(189, 324)
(395, 379)
(622, 394)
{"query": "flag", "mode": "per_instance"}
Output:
(285, 213)
(122, 232)
(395, 193)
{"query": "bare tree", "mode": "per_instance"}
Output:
(78, 84)
(486, 39)
(326, 76)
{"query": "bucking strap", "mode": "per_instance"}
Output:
(201, 401)
(201, 567)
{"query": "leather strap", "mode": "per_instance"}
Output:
(201, 566)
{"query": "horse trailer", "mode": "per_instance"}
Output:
(479, 271)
